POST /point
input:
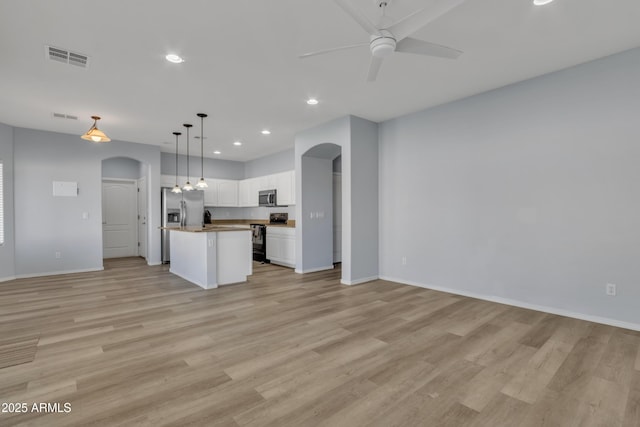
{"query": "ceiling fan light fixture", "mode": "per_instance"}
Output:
(382, 47)
(94, 134)
(541, 2)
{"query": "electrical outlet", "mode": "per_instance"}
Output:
(611, 289)
(58, 254)
(404, 260)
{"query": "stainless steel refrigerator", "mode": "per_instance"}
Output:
(184, 209)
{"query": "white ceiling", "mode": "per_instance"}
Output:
(242, 65)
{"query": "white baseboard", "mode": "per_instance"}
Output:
(6, 279)
(313, 270)
(522, 304)
(193, 280)
(358, 281)
(154, 263)
(57, 273)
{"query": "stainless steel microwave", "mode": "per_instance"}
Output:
(267, 198)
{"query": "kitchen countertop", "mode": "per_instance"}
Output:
(207, 228)
(222, 222)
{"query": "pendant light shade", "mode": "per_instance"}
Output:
(202, 184)
(176, 188)
(188, 186)
(94, 134)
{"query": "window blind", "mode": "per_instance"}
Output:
(1, 206)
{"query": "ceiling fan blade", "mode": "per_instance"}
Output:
(374, 67)
(420, 47)
(412, 23)
(333, 49)
(357, 16)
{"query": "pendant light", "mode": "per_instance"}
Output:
(94, 134)
(202, 184)
(187, 186)
(177, 188)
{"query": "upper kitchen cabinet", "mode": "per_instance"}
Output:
(227, 193)
(211, 193)
(285, 185)
(267, 182)
(248, 192)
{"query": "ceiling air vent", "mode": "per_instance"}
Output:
(67, 57)
(64, 116)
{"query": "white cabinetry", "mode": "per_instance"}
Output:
(244, 193)
(211, 193)
(285, 185)
(248, 192)
(227, 192)
(281, 245)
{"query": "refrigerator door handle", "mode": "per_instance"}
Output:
(183, 214)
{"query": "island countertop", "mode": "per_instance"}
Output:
(206, 229)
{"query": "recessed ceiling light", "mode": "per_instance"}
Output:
(266, 132)
(237, 143)
(312, 101)
(216, 152)
(541, 2)
(174, 58)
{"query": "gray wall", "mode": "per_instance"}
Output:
(334, 132)
(213, 168)
(317, 180)
(364, 199)
(121, 168)
(7, 262)
(47, 224)
(267, 165)
(527, 194)
(357, 139)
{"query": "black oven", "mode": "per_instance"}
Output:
(259, 240)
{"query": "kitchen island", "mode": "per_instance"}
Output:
(211, 256)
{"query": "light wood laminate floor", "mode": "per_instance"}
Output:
(136, 345)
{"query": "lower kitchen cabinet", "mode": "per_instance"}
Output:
(281, 245)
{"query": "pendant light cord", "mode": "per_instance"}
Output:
(188, 174)
(176, 159)
(177, 134)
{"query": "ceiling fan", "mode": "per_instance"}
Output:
(384, 40)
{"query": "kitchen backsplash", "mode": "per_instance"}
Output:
(250, 213)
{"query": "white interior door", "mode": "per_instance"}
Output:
(142, 217)
(119, 219)
(337, 217)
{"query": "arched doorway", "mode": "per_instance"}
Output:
(317, 207)
(356, 140)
